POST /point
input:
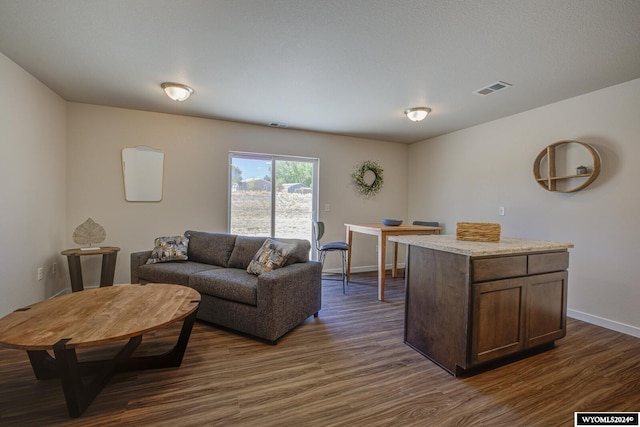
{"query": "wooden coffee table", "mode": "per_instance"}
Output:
(95, 317)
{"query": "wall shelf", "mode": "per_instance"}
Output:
(549, 182)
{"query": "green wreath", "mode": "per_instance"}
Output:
(365, 188)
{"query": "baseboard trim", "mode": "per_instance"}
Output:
(362, 269)
(62, 292)
(605, 323)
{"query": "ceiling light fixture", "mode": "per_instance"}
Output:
(177, 91)
(417, 114)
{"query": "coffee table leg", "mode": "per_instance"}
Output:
(44, 366)
(170, 359)
(176, 354)
(76, 393)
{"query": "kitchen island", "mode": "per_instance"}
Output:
(471, 303)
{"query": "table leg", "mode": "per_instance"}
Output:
(75, 273)
(44, 366)
(108, 269)
(349, 242)
(382, 264)
(170, 359)
(394, 269)
(78, 394)
(74, 391)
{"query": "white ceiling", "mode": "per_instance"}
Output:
(348, 67)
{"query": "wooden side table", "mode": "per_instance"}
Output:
(109, 256)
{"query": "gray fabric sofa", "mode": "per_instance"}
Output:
(265, 306)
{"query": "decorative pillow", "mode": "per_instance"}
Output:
(271, 255)
(170, 248)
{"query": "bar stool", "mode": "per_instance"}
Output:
(342, 247)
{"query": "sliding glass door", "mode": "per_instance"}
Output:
(272, 195)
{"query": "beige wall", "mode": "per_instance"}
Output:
(467, 175)
(32, 188)
(196, 178)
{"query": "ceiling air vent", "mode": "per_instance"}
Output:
(492, 88)
(278, 125)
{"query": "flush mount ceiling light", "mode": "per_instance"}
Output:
(417, 114)
(177, 91)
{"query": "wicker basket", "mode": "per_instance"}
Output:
(478, 231)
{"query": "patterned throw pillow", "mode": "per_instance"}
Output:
(170, 248)
(272, 255)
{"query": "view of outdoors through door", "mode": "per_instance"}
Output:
(272, 195)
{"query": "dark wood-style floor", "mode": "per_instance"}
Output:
(349, 367)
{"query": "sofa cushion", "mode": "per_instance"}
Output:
(210, 248)
(247, 246)
(169, 248)
(171, 272)
(271, 255)
(228, 283)
(244, 251)
(300, 252)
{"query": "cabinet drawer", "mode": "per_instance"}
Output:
(548, 262)
(499, 268)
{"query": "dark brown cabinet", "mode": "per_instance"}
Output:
(463, 311)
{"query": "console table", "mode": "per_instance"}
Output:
(96, 317)
(109, 255)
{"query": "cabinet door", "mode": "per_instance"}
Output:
(547, 308)
(498, 319)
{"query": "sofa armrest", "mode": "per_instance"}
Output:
(288, 295)
(138, 259)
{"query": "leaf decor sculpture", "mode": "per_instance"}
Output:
(89, 232)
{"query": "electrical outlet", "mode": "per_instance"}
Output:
(54, 269)
(501, 211)
(40, 273)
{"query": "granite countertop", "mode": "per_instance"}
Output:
(506, 245)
